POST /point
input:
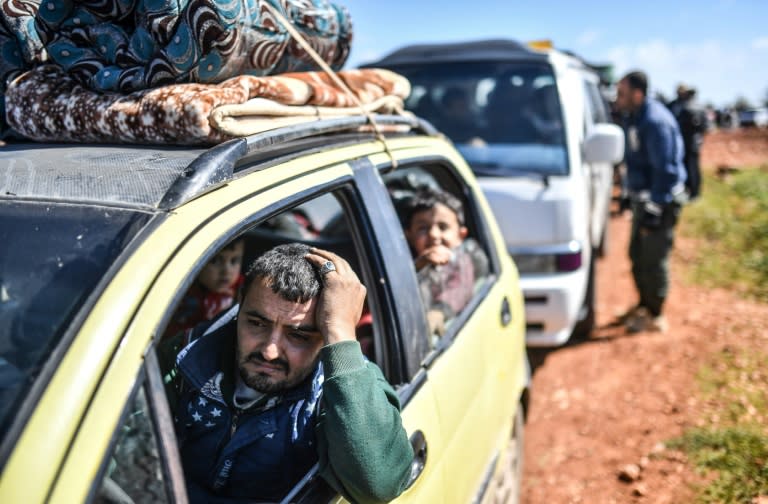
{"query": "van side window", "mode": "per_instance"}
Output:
(595, 102)
(449, 261)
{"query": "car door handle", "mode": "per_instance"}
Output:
(506, 313)
(419, 445)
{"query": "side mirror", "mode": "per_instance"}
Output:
(605, 144)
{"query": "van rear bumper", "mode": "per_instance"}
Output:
(552, 306)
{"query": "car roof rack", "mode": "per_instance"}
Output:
(162, 177)
(217, 165)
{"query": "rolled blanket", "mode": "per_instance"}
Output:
(132, 45)
(259, 114)
(126, 46)
(46, 104)
(20, 45)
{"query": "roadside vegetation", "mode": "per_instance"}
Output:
(731, 220)
(730, 447)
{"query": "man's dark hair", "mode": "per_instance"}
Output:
(637, 80)
(288, 273)
(426, 199)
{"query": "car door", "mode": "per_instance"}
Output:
(145, 292)
(459, 391)
(475, 366)
(201, 228)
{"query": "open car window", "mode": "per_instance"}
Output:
(320, 222)
(326, 221)
(450, 267)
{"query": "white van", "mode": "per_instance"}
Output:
(536, 131)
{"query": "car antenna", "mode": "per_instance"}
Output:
(335, 78)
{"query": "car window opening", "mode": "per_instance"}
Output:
(449, 262)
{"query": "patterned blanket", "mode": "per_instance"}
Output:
(47, 104)
(132, 45)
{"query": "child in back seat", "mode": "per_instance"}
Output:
(214, 290)
(446, 261)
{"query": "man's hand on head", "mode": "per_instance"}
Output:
(341, 301)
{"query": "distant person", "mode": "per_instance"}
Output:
(543, 112)
(656, 186)
(693, 122)
(456, 116)
(728, 118)
(504, 113)
(214, 290)
(447, 262)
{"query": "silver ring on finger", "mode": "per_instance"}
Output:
(327, 267)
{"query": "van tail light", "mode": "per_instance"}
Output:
(557, 259)
(569, 262)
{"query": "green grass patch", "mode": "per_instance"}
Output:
(731, 219)
(733, 445)
(735, 386)
(739, 455)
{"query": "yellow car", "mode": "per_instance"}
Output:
(101, 243)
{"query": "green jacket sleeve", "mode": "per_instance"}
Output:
(363, 449)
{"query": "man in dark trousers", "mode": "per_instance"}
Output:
(656, 185)
(693, 123)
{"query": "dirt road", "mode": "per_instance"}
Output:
(612, 401)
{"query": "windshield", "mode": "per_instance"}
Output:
(504, 117)
(51, 258)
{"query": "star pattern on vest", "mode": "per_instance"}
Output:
(197, 416)
(216, 412)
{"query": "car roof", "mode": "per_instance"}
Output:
(502, 50)
(161, 177)
(109, 174)
(479, 50)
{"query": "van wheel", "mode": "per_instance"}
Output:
(509, 481)
(587, 320)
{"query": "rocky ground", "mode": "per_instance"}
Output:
(602, 409)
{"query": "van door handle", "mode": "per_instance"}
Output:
(506, 312)
(419, 445)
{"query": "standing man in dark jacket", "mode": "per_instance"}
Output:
(279, 383)
(656, 183)
(693, 123)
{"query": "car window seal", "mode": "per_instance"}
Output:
(162, 420)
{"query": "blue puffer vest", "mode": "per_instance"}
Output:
(231, 454)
